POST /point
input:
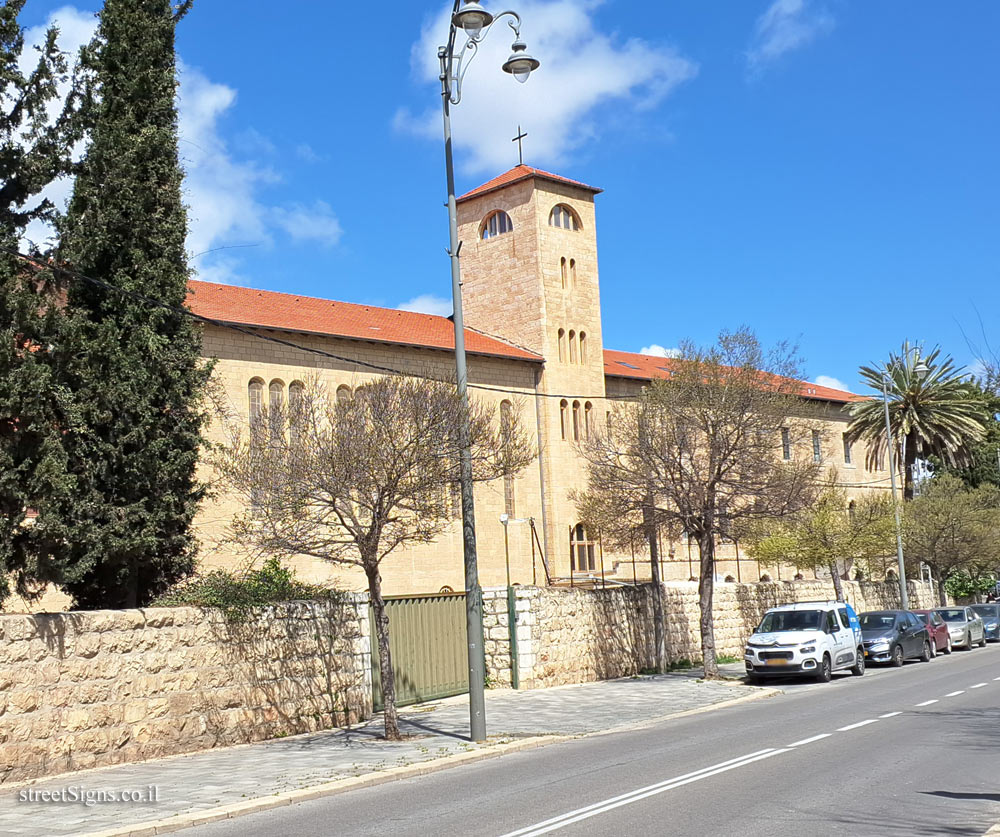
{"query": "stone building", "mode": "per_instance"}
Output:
(533, 316)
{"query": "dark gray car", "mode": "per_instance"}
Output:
(892, 636)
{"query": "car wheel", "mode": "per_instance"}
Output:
(897, 656)
(755, 679)
(982, 642)
(825, 673)
(859, 663)
(933, 645)
(967, 644)
(925, 657)
(947, 647)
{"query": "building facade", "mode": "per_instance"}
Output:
(533, 315)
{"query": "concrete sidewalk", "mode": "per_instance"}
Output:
(253, 776)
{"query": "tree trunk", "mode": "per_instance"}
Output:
(909, 463)
(706, 591)
(384, 656)
(659, 630)
(838, 587)
(942, 593)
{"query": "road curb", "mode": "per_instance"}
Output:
(180, 822)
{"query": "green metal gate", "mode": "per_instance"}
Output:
(427, 645)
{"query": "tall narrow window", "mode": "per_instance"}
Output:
(851, 511)
(572, 346)
(847, 450)
(276, 406)
(581, 550)
(588, 417)
(576, 421)
(496, 224)
(786, 444)
(255, 394)
(572, 273)
(817, 450)
(506, 428)
(562, 346)
(563, 417)
(583, 347)
(296, 399)
(564, 272)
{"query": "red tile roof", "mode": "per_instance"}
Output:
(519, 173)
(647, 367)
(291, 312)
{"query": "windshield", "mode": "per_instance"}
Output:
(877, 621)
(953, 614)
(986, 610)
(791, 620)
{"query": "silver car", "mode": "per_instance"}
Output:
(965, 627)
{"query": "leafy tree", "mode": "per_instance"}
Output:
(966, 585)
(983, 465)
(939, 415)
(35, 411)
(134, 367)
(827, 535)
(700, 452)
(953, 529)
(350, 481)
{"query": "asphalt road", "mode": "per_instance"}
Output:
(907, 752)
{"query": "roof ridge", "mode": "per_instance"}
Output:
(500, 339)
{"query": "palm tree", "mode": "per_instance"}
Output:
(933, 411)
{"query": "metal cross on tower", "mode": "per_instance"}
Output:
(520, 153)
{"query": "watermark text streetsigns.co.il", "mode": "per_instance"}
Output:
(80, 795)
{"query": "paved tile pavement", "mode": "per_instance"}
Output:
(208, 779)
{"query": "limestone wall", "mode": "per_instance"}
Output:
(84, 689)
(578, 635)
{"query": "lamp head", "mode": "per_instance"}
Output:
(520, 64)
(921, 370)
(472, 19)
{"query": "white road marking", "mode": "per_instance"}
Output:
(996, 678)
(979, 685)
(955, 694)
(810, 740)
(926, 703)
(890, 714)
(579, 814)
(858, 724)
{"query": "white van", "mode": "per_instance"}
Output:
(812, 639)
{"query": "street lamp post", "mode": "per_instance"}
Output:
(472, 19)
(920, 369)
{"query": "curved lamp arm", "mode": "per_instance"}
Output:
(454, 68)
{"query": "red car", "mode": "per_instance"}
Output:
(937, 628)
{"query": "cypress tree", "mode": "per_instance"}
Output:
(134, 368)
(35, 411)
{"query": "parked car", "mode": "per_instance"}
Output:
(938, 629)
(990, 614)
(964, 626)
(812, 639)
(893, 636)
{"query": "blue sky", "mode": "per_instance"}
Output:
(825, 172)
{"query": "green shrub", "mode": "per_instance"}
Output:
(236, 593)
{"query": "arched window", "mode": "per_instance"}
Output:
(255, 394)
(564, 272)
(576, 421)
(296, 403)
(564, 217)
(562, 345)
(572, 346)
(563, 417)
(506, 426)
(583, 347)
(343, 393)
(276, 406)
(572, 273)
(581, 550)
(496, 224)
(588, 410)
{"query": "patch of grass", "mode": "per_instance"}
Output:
(723, 659)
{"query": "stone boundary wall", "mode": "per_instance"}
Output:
(86, 689)
(579, 635)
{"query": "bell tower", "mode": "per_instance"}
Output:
(529, 272)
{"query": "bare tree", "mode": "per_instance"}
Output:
(828, 534)
(702, 451)
(350, 480)
(953, 529)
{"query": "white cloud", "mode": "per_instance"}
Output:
(309, 223)
(428, 304)
(307, 153)
(832, 383)
(659, 351)
(581, 68)
(787, 25)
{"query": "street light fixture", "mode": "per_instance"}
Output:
(470, 17)
(920, 370)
